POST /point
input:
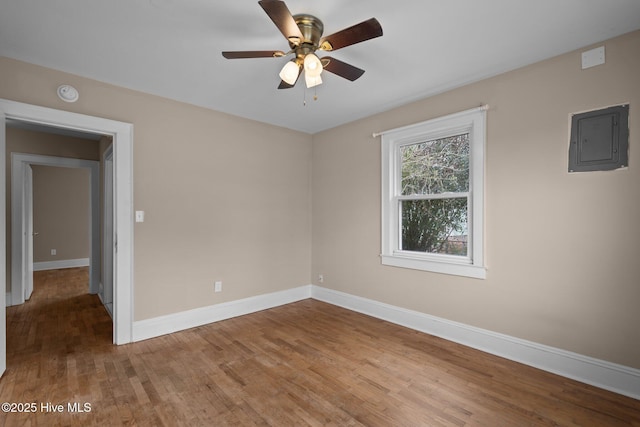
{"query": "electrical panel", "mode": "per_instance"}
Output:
(599, 140)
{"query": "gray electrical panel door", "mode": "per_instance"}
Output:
(599, 140)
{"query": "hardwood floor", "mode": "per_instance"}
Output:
(306, 363)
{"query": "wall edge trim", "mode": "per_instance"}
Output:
(596, 372)
(65, 263)
(162, 325)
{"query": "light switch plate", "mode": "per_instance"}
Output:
(139, 216)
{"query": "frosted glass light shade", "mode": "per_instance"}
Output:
(312, 81)
(312, 65)
(289, 73)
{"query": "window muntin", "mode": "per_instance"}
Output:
(432, 201)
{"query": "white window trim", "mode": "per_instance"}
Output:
(472, 121)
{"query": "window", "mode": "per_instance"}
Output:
(432, 195)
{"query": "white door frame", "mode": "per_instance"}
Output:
(27, 240)
(3, 245)
(22, 215)
(122, 134)
(108, 239)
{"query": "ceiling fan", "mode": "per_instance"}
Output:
(304, 34)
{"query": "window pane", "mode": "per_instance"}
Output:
(435, 226)
(437, 166)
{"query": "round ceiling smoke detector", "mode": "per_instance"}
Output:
(68, 93)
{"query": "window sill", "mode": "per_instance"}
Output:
(456, 269)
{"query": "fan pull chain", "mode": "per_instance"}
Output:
(315, 95)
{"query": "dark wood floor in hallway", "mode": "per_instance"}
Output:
(307, 363)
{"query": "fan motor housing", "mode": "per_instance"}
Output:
(311, 29)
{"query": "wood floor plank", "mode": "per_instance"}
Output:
(303, 364)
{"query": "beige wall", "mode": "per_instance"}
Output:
(225, 198)
(61, 212)
(48, 144)
(230, 199)
(562, 249)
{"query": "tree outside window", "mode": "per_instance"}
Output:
(435, 178)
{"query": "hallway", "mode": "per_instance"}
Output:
(61, 318)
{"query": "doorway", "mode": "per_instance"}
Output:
(22, 220)
(122, 136)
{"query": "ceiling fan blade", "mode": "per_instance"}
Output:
(341, 69)
(358, 33)
(280, 15)
(285, 85)
(253, 54)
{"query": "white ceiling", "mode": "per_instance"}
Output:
(172, 48)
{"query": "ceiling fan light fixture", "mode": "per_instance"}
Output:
(304, 32)
(312, 65)
(290, 72)
(312, 81)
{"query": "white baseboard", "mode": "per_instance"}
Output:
(65, 263)
(154, 327)
(609, 376)
(109, 306)
(8, 300)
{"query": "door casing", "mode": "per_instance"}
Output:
(122, 136)
(108, 240)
